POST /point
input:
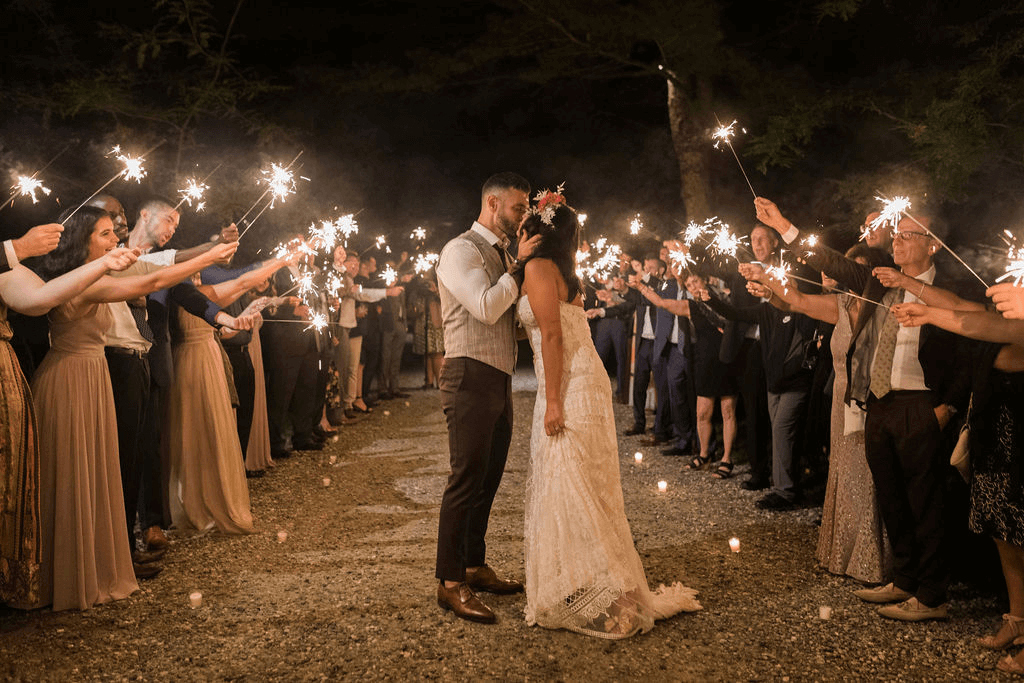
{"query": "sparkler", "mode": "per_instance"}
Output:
(132, 170)
(724, 134)
(636, 225)
(194, 191)
(898, 206)
(318, 321)
(1015, 268)
(425, 262)
(418, 234)
(608, 260)
(724, 242)
(280, 181)
(382, 241)
(772, 270)
(27, 185)
(389, 275)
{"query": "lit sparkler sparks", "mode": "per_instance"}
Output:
(418, 234)
(280, 183)
(193, 192)
(1015, 267)
(389, 275)
(725, 134)
(27, 186)
(681, 258)
(582, 219)
(693, 232)
(780, 273)
(890, 215)
(606, 263)
(636, 225)
(424, 262)
(133, 169)
(724, 242)
(318, 321)
(381, 243)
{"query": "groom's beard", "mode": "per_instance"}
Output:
(508, 227)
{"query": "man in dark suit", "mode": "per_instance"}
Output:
(614, 314)
(673, 417)
(291, 362)
(643, 344)
(912, 382)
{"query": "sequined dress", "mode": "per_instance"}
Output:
(19, 481)
(852, 540)
(583, 572)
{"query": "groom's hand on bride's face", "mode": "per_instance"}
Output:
(527, 246)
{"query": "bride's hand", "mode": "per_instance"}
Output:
(554, 420)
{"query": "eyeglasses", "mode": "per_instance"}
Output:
(907, 235)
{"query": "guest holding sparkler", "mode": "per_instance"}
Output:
(86, 552)
(22, 290)
(851, 541)
(207, 486)
(643, 344)
(912, 383)
(393, 331)
(428, 335)
(615, 310)
(782, 338)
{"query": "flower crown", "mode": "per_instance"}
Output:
(547, 202)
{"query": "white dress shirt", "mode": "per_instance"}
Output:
(461, 270)
(907, 373)
(123, 332)
(647, 332)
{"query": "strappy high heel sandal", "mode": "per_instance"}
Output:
(1010, 633)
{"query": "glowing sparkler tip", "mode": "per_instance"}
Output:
(724, 134)
(27, 186)
(636, 225)
(193, 192)
(418, 234)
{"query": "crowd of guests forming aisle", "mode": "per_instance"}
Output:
(917, 368)
(165, 377)
(142, 385)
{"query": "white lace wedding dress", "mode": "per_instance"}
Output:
(582, 571)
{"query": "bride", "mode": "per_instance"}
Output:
(582, 571)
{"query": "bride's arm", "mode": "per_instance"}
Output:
(541, 283)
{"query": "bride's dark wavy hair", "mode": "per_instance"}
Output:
(558, 243)
(73, 248)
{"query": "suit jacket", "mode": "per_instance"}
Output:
(940, 353)
(734, 333)
(665, 320)
(286, 339)
(643, 307)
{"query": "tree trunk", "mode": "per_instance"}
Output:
(690, 141)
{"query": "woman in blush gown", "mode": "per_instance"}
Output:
(86, 558)
(583, 572)
(208, 489)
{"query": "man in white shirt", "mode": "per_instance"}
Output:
(477, 296)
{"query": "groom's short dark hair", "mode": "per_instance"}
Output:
(505, 181)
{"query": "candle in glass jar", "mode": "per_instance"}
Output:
(734, 544)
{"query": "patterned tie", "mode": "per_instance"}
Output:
(139, 313)
(881, 369)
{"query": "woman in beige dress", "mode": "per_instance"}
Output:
(208, 489)
(86, 556)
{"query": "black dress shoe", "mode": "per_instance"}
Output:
(634, 430)
(308, 446)
(146, 571)
(324, 433)
(148, 556)
(676, 451)
(280, 455)
(774, 501)
(461, 600)
(400, 394)
(753, 484)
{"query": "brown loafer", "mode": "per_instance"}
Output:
(484, 579)
(155, 538)
(461, 600)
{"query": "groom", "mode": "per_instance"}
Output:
(477, 295)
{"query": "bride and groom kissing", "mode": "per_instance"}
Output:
(583, 572)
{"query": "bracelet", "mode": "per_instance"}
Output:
(771, 293)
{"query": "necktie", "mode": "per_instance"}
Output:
(501, 255)
(139, 314)
(881, 368)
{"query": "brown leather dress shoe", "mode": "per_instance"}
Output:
(484, 579)
(144, 557)
(461, 600)
(155, 538)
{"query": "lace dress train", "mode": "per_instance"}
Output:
(583, 572)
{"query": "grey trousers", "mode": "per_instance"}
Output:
(786, 411)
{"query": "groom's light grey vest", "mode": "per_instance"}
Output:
(467, 337)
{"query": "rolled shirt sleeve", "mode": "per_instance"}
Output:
(461, 271)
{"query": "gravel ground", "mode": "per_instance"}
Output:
(350, 593)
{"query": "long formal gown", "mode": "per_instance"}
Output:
(86, 552)
(19, 481)
(207, 483)
(257, 455)
(583, 572)
(852, 540)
